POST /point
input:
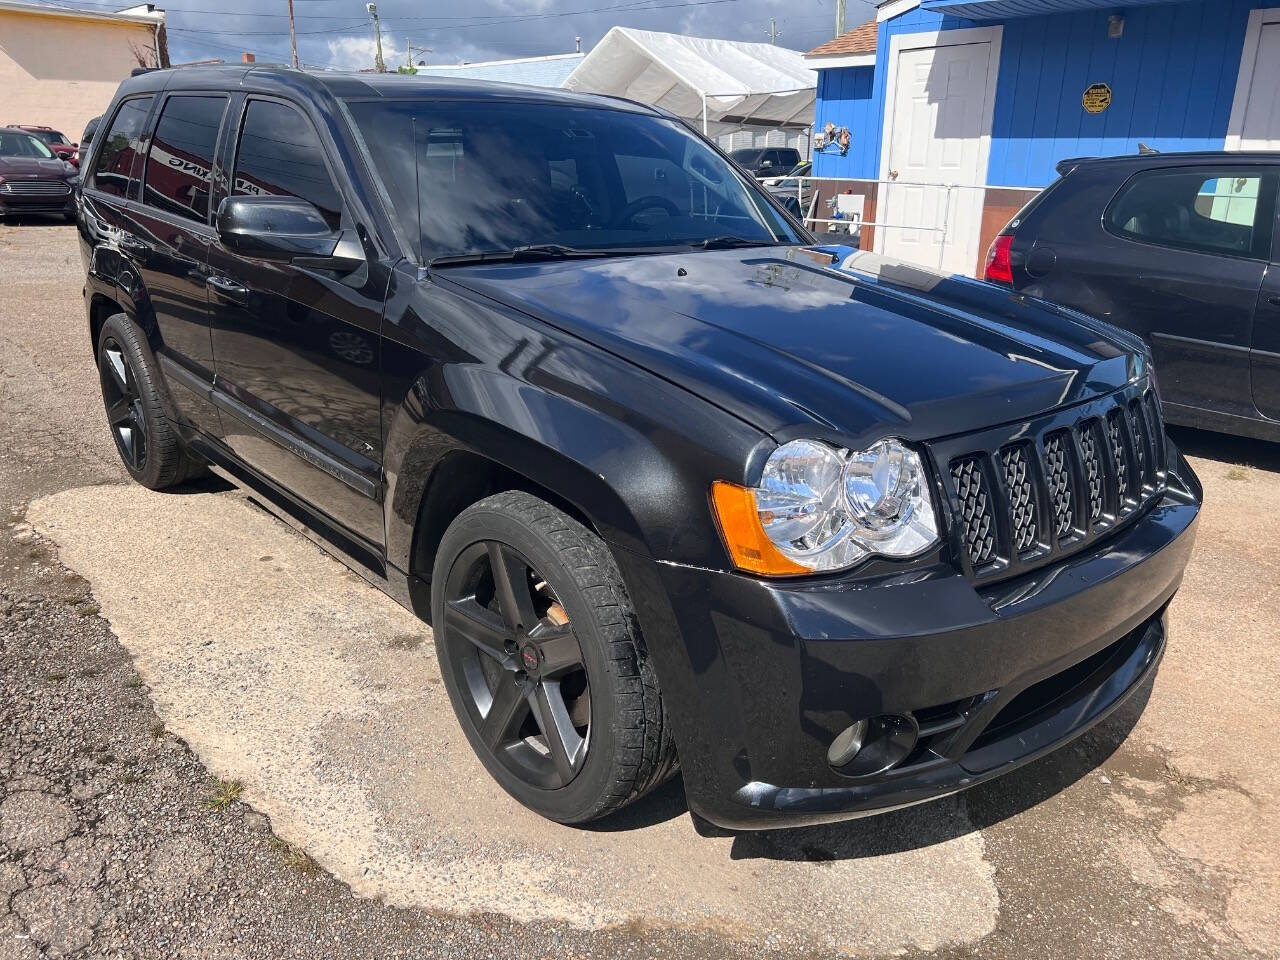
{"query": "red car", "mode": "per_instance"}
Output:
(32, 178)
(55, 140)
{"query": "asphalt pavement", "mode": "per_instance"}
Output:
(215, 741)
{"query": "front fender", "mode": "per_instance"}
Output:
(633, 453)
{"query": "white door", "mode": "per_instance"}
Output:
(1261, 127)
(939, 122)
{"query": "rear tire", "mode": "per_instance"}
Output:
(613, 743)
(137, 413)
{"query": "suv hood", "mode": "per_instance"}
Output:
(32, 168)
(873, 349)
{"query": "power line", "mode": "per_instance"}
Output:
(623, 8)
(634, 7)
(269, 33)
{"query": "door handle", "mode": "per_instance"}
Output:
(228, 289)
(1274, 301)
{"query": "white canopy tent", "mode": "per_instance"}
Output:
(724, 85)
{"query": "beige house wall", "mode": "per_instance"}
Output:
(59, 71)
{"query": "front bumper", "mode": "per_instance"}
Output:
(766, 674)
(13, 204)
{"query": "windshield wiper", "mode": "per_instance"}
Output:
(542, 251)
(728, 241)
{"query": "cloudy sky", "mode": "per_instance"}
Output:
(339, 33)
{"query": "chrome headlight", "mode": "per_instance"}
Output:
(825, 508)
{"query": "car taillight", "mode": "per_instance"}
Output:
(999, 267)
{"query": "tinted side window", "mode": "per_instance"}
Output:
(116, 157)
(1211, 210)
(280, 155)
(180, 161)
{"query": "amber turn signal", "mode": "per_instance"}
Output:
(749, 546)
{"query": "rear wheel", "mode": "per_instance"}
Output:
(146, 438)
(542, 659)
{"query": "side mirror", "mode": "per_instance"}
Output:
(286, 229)
(274, 228)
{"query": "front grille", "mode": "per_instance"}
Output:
(1044, 490)
(35, 188)
(1022, 502)
(1089, 448)
(1058, 476)
(975, 509)
(1119, 455)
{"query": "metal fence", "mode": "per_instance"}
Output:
(825, 212)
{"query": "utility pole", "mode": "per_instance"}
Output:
(378, 63)
(839, 18)
(293, 38)
(409, 48)
(773, 29)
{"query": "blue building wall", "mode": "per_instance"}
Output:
(1173, 76)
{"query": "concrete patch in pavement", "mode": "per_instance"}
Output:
(287, 672)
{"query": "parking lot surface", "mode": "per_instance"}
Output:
(216, 741)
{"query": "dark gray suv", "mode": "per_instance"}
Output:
(667, 478)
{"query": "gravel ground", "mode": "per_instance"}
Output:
(1155, 835)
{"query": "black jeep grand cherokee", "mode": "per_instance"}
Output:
(667, 479)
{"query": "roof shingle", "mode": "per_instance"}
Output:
(859, 40)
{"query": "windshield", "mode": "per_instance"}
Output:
(792, 180)
(23, 145)
(498, 176)
(52, 137)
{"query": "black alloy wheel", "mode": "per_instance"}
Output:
(124, 404)
(517, 660)
(133, 393)
(541, 655)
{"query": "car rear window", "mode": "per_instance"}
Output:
(180, 160)
(117, 156)
(1219, 210)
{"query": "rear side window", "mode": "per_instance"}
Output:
(280, 155)
(180, 161)
(117, 157)
(1206, 209)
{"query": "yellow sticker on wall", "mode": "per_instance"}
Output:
(1097, 98)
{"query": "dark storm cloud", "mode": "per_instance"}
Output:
(338, 33)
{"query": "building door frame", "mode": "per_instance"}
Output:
(1244, 79)
(898, 43)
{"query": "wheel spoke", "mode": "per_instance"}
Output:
(120, 413)
(506, 712)
(126, 433)
(559, 649)
(563, 742)
(139, 436)
(511, 583)
(476, 625)
(118, 369)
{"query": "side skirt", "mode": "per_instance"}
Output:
(409, 591)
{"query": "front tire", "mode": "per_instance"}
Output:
(540, 652)
(145, 435)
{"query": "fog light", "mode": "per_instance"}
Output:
(847, 744)
(873, 746)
